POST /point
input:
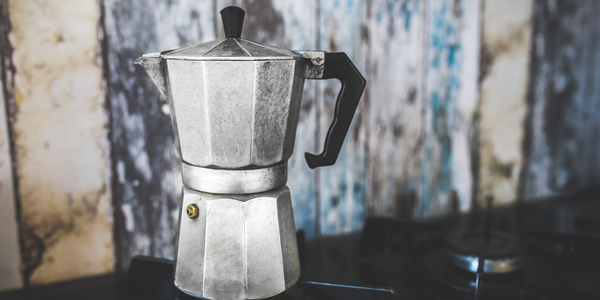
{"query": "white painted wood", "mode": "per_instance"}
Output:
(148, 186)
(300, 23)
(290, 25)
(10, 256)
(452, 69)
(392, 107)
(60, 130)
(503, 100)
(466, 104)
(341, 186)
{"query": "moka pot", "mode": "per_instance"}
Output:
(234, 106)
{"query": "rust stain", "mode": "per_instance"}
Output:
(60, 138)
(18, 98)
(503, 81)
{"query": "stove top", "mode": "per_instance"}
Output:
(544, 250)
(540, 250)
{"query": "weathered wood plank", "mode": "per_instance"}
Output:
(60, 137)
(290, 25)
(10, 256)
(504, 69)
(300, 33)
(564, 120)
(389, 126)
(147, 181)
(341, 187)
(453, 45)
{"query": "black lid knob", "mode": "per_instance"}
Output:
(233, 20)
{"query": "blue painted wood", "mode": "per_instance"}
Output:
(340, 191)
(563, 126)
(450, 102)
(291, 25)
(390, 128)
(146, 177)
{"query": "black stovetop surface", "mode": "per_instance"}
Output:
(563, 236)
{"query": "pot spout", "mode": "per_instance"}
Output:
(154, 66)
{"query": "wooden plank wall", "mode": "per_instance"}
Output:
(54, 87)
(10, 264)
(465, 99)
(504, 79)
(563, 127)
(450, 102)
(147, 181)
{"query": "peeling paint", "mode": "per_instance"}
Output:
(147, 184)
(60, 140)
(452, 73)
(503, 104)
(10, 258)
(392, 106)
(340, 192)
(563, 125)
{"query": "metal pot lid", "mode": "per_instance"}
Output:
(233, 47)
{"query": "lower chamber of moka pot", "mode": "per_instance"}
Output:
(236, 246)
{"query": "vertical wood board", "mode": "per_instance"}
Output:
(290, 25)
(504, 75)
(389, 126)
(341, 186)
(564, 120)
(60, 134)
(452, 48)
(147, 182)
(10, 256)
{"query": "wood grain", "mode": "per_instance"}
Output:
(504, 69)
(10, 256)
(290, 25)
(564, 121)
(59, 129)
(147, 180)
(341, 186)
(389, 126)
(450, 104)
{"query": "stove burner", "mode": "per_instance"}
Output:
(539, 277)
(503, 254)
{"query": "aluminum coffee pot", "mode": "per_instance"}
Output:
(234, 106)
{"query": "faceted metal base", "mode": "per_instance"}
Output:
(238, 246)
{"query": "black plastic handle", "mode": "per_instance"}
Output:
(339, 66)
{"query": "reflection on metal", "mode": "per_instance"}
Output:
(237, 181)
(490, 266)
(233, 114)
(315, 69)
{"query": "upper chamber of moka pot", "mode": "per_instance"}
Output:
(234, 102)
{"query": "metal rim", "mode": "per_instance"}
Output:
(223, 181)
(490, 266)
